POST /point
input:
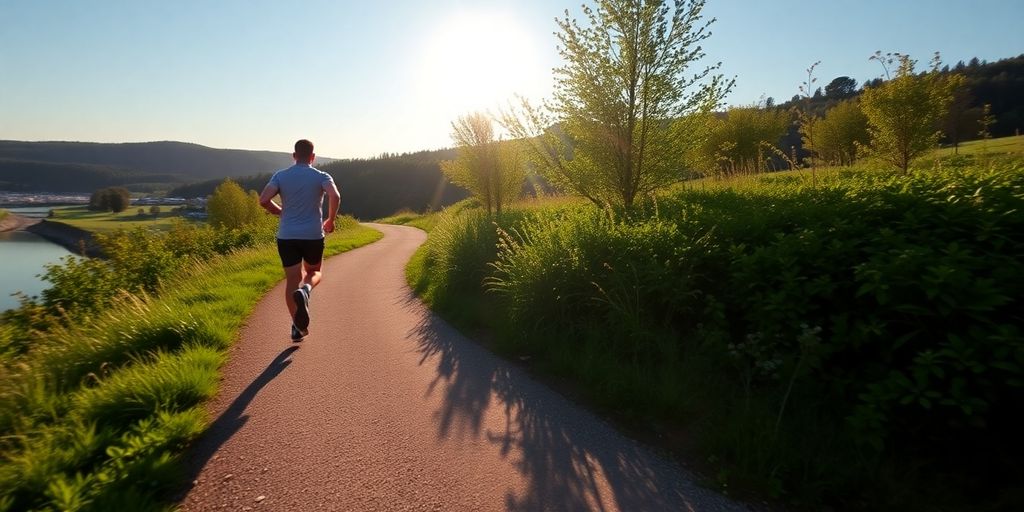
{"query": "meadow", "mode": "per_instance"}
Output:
(849, 338)
(1001, 146)
(103, 379)
(108, 222)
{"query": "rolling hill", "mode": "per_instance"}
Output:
(85, 166)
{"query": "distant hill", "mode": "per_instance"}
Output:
(371, 188)
(27, 176)
(85, 166)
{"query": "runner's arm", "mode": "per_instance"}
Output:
(333, 202)
(267, 199)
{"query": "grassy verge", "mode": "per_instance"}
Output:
(426, 222)
(106, 222)
(95, 415)
(815, 338)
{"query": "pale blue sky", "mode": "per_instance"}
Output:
(361, 78)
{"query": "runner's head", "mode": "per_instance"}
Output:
(303, 152)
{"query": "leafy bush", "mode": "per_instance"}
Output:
(873, 317)
(138, 261)
(232, 207)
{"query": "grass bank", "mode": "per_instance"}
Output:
(852, 338)
(94, 415)
(426, 222)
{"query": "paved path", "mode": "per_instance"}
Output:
(385, 407)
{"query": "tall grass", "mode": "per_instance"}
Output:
(405, 217)
(849, 334)
(95, 413)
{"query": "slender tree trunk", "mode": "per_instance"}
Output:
(498, 183)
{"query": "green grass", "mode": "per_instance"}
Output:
(3, 213)
(820, 336)
(96, 415)
(1000, 146)
(1001, 151)
(106, 222)
(424, 221)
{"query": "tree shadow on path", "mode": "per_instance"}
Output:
(232, 419)
(562, 451)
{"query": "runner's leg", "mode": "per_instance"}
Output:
(293, 276)
(312, 258)
(311, 264)
(312, 274)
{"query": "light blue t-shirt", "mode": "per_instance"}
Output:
(302, 188)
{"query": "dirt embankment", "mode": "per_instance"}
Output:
(12, 222)
(76, 240)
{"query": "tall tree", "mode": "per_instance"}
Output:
(961, 121)
(111, 199)
(489, 169)
(904, 112)
(625, 114)
(841, 88)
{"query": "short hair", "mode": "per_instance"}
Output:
(303, 148)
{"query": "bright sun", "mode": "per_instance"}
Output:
(478, 61)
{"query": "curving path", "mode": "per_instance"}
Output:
(385, 407)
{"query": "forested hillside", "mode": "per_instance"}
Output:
(371, 188)
(85, 166)
(987, 83)
(996, 84)
(28, 176)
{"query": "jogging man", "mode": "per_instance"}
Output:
(300, 234)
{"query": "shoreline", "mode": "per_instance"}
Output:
(15, 222)
(76, 240)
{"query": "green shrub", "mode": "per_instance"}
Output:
(843, 330)
(138, 260)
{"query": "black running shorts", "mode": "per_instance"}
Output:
(293, 252)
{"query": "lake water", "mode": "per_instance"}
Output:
(36, 212)
(23, 256)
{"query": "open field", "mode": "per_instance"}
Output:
(1003, 145)
(105, 222)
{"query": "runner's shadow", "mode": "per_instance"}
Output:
(564, 453)
(233, 418)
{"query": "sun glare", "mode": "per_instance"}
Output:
(478, 61)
